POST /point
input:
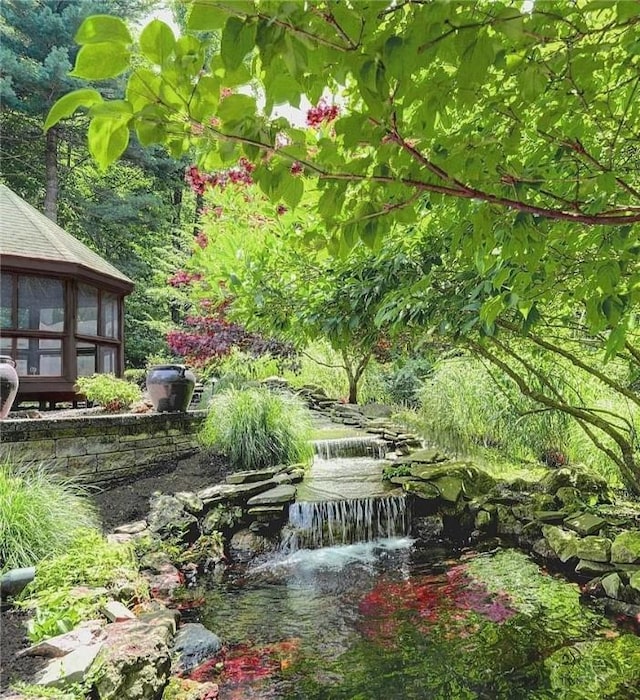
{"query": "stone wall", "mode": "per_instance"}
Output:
(101, 448)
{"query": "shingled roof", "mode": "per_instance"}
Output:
(27, 234)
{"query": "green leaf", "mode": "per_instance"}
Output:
(108, 140)
(150, 125)
(99, 29)
(100, 61)
(292, 191)
(204, 102)
(143, 88)
(69, 103)
(205, 16)
(157, 41)
(236, 108)
(238, 39)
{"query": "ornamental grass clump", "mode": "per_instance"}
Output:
(40, 514)
(256, 428)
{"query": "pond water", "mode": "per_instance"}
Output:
(376, 616)
(386, 620)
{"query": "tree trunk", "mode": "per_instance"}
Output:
(51, 175)
(353, 389)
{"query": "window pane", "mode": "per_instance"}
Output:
(110, 316)
(6, 346)
(85, 359)
(108, 360)
(87, 323)
(40, 304)
(6, 300)
(36, 357)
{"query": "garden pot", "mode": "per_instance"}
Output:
(8, 384)
(170, 387)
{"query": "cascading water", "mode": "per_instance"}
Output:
(314, 524)
(364, 446)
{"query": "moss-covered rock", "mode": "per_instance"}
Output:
(626, 548)
(578, 477)
(563, 542)
(585, 523)
(594, 548)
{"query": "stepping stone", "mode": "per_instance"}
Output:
(246, 477)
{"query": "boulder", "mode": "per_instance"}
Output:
(592, 568)
(594, 548)
(450, 488)
(611, 585)
(245, 545)
(221, 518)
(626, 548)
(634, 581)
(422, 489)
(563, 542)
(192, 645)
(134, 662)
(192, 504)
(169, 519)
(577, 477)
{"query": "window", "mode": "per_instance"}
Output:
(109, 325)
(40, 304)
(87, 323)
(6, 300)
(108, 359)
(85, 359)
(39, 357)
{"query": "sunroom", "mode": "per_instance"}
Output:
(61, 305)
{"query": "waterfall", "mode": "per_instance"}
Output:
(314, 524)
(351, 447)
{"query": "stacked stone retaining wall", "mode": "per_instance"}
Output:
(101, 448)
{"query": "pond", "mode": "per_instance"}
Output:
(351, 608)
(387, 620)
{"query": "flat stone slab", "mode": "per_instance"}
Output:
(585, 524)
(280, 494)
(131, 528)
(247, 477)
(232, 492)
(84, 634)
(71, 668)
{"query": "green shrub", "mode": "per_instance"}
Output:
(112, 393)
(40, 515)
(89, 562)
(255, 428)
(136, 376)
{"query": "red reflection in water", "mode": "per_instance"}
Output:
(245, 664)
(426, 601)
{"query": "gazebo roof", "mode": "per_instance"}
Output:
(27, 235)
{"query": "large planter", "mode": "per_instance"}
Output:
(8, 384)
(170, 387)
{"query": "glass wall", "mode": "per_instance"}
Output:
(37, 327)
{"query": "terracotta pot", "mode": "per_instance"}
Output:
(9, 383)
(170, 387)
